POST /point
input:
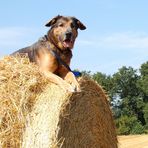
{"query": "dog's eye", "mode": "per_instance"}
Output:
(61, 25)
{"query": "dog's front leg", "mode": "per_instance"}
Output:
(59, 81)
(70, 78)
(48, 66)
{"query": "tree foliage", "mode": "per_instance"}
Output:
(128, 92)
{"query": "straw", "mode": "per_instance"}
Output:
(36, 113)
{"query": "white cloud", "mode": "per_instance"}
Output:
(12, 38)
(110, 52)
(126, 40)
(123, 40)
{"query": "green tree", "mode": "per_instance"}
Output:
(127, 96)
(125, 82)
(104, 80)
(146, 116)
(128, 92)
(128, 125)
(143, 82)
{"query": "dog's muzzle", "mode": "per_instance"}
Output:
(68, 41)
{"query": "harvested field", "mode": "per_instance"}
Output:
(36, 113)
(133, 141)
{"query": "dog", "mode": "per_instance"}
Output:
(53, 52)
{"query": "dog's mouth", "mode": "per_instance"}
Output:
(68, 43)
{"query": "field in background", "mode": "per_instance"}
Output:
(135, 141)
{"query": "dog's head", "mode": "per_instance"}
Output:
(64, 31)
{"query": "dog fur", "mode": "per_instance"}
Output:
(60, 38)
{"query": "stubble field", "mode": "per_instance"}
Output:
(134, 141)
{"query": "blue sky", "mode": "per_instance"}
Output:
(116, 34)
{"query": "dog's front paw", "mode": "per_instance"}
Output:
(71, 89)
(68, 87)
(76, 87)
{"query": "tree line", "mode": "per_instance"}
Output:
(128, 93)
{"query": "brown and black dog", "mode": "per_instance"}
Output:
(54, 49)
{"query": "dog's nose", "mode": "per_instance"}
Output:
(68, 35)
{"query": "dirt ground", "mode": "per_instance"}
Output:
(135, 141)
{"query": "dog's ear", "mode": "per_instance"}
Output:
(79, 24)
(52, 21)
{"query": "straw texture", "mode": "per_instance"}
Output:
(36, 113)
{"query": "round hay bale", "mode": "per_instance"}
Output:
(38, 114)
